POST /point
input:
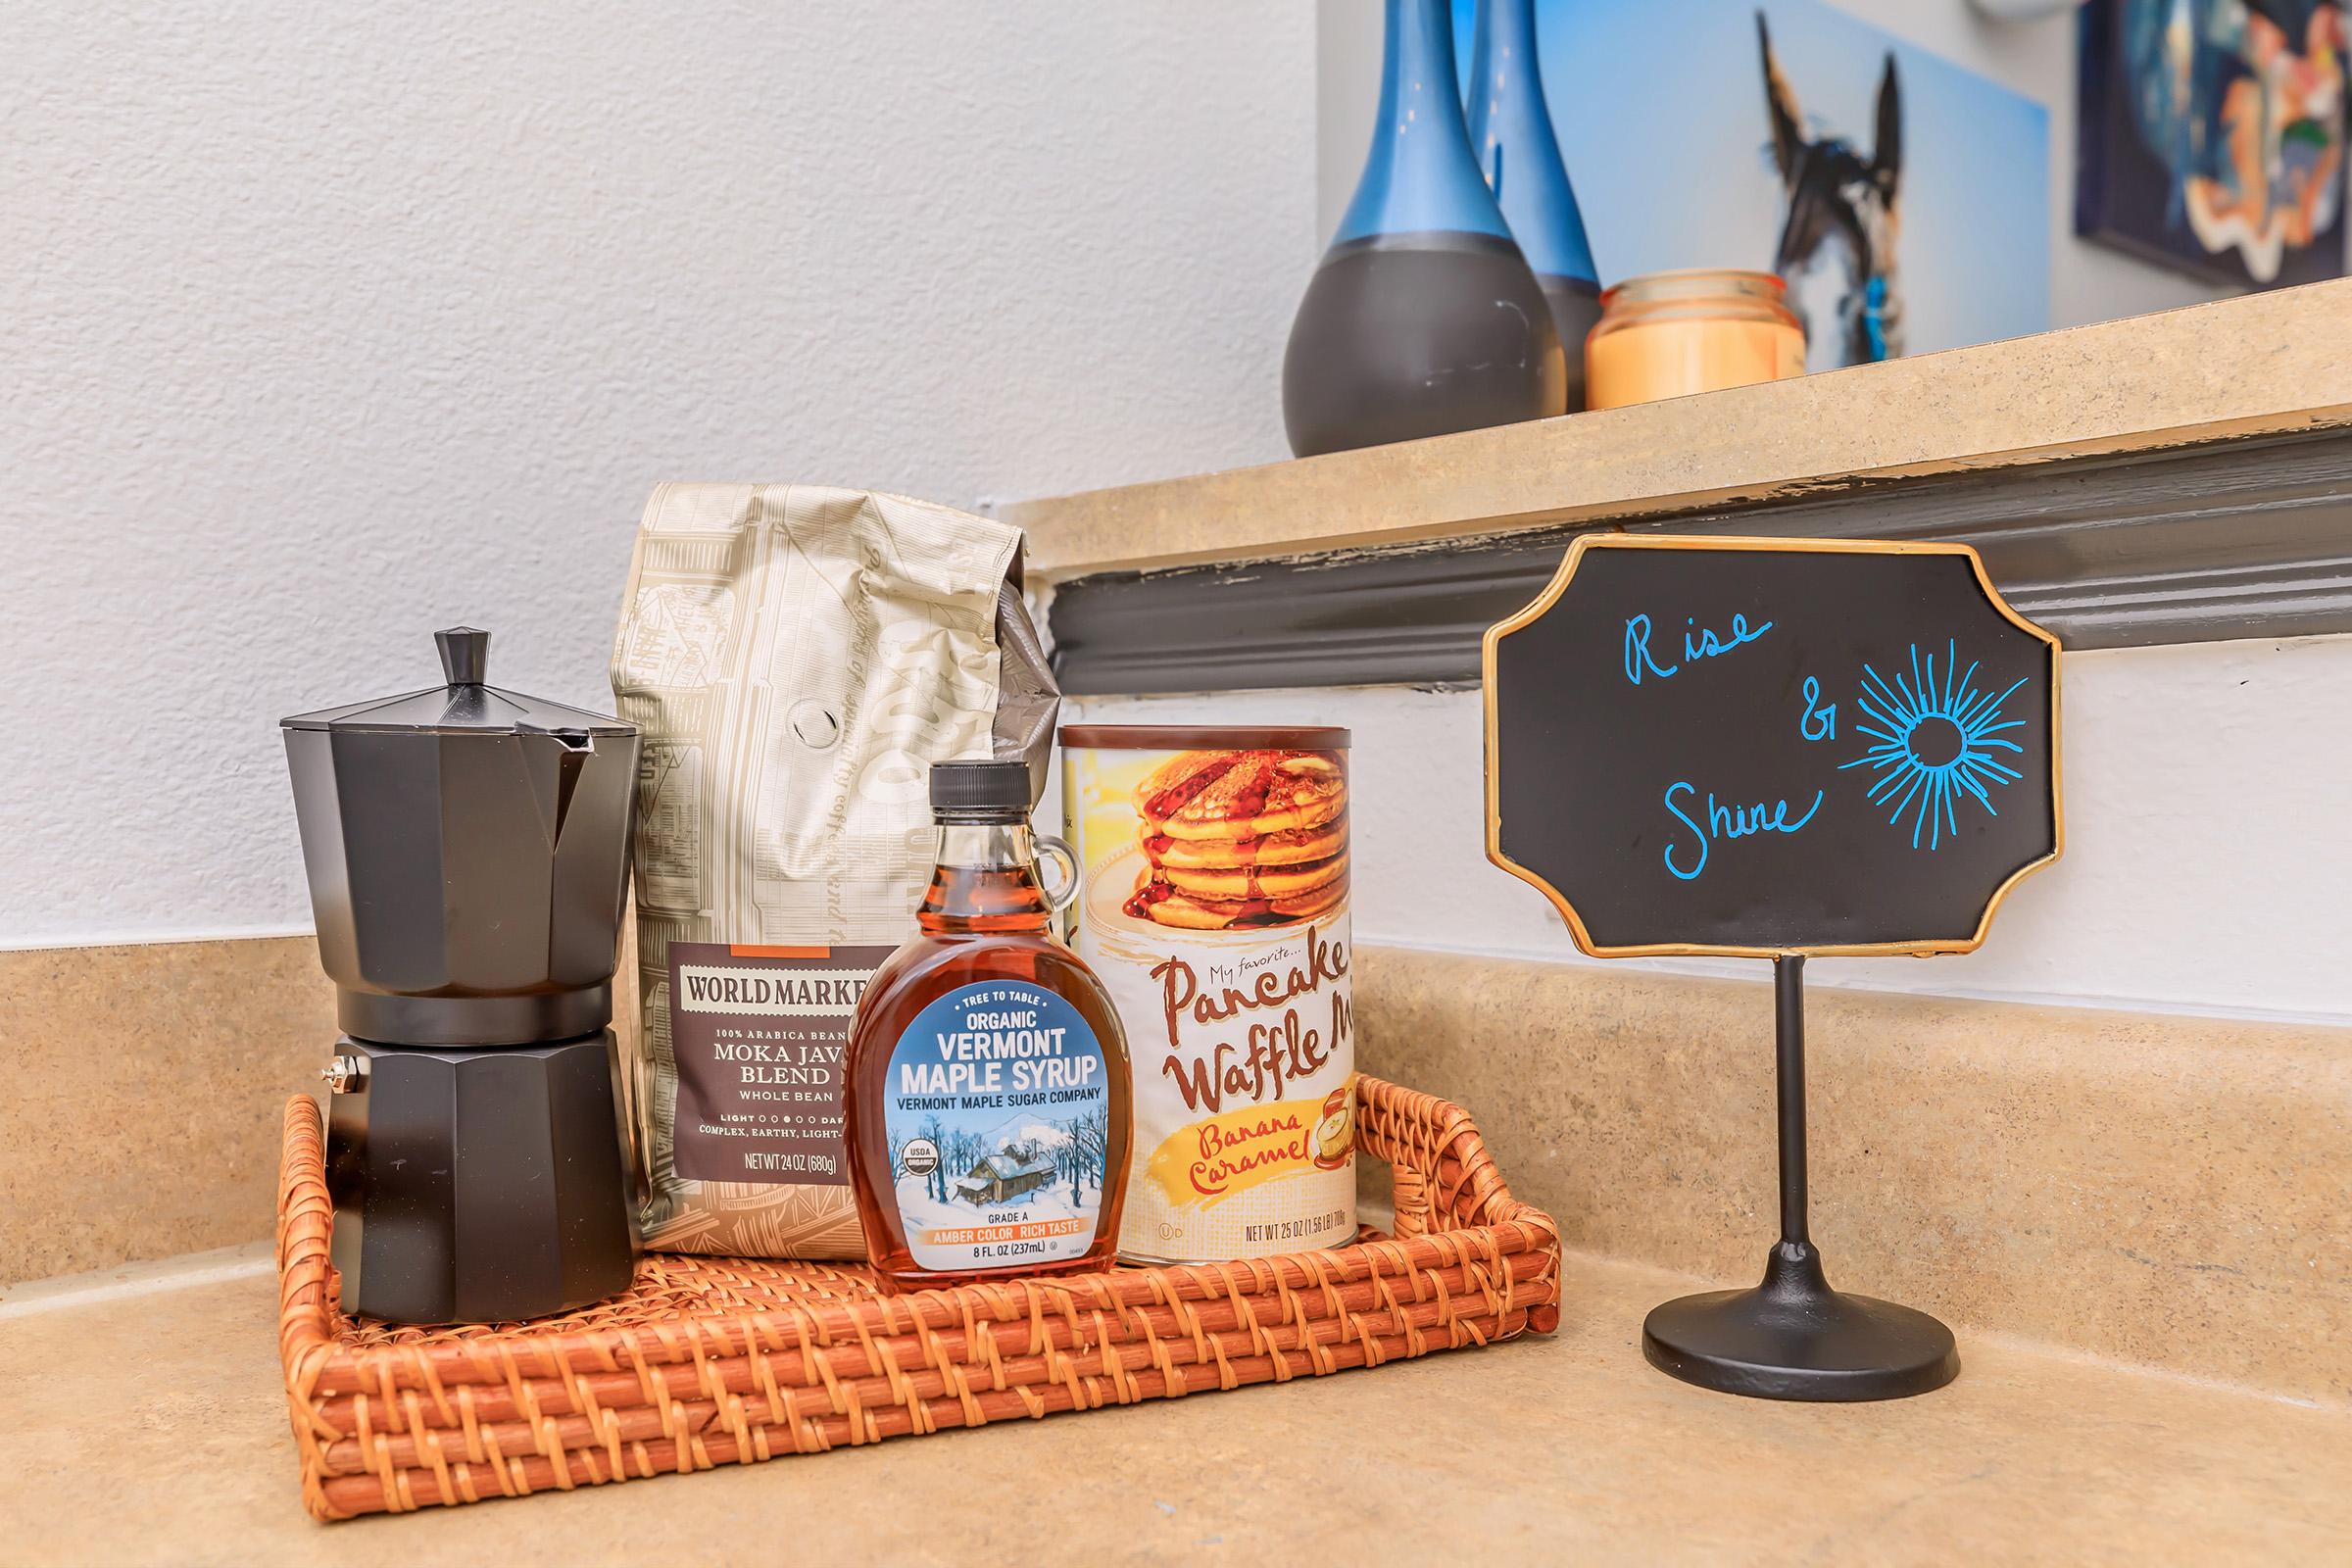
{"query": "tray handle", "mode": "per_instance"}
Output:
(1446, 1180)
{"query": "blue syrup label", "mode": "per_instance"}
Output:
(998, 1112)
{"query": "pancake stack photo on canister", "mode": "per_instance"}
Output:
(1213, 905)
(1233, 837)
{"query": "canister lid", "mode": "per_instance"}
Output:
(465, 703)
(1206, 737)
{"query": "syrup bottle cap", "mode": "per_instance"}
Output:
(987, 791)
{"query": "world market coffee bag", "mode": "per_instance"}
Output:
(797, 658)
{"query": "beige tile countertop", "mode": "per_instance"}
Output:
(142, 1421)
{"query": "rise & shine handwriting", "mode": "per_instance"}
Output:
(1719, 821)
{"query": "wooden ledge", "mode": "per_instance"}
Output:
(2262, 364)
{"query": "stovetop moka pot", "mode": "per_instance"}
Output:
(468, 853)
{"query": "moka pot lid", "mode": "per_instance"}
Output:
(466, 704)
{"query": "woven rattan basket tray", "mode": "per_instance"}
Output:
(718, 1360)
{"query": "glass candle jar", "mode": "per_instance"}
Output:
(1670, 334)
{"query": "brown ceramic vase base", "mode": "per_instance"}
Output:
(1793, 1337)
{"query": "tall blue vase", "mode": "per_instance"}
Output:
(1510, 131)
(1423, 318)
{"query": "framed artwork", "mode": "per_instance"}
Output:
(2210, 136)
(1905, 199)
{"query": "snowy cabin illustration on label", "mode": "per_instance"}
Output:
(1001, 1178)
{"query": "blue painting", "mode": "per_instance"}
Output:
(2212, 136)
(1905, 200)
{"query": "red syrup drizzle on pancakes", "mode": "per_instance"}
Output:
(1168, 801)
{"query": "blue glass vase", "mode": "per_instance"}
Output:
(1423, 318)
(1510, 132)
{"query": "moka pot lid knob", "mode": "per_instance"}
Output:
(465, 655)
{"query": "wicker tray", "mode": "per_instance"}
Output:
(707, 1361)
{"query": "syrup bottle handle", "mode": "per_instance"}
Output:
(1062, 897)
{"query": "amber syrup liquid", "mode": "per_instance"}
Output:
(983, 918)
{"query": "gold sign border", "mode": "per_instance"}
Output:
(1924, 947)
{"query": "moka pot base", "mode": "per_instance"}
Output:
(477, 1185)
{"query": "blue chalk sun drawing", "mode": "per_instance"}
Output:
(1933, 743)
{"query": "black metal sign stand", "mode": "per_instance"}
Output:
(1792, 1336)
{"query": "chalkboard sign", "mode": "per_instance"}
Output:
(1771, 745)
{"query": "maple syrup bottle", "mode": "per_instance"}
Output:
(987, 1074)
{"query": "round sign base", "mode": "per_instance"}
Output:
(1793, 1337)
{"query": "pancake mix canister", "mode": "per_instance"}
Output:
(1213, 905)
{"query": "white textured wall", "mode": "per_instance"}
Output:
(2204, 867)
(324, 327)
(2087, 282)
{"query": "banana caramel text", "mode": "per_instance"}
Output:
(1277, 1142)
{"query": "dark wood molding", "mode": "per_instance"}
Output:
(2244, 538)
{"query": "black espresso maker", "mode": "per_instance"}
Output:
(467, 851)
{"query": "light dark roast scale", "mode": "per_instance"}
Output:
(467, 851)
